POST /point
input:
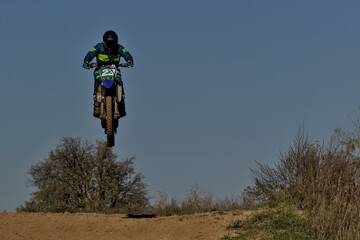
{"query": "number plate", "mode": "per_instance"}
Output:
(108, 73)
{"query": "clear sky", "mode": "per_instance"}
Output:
(216, 84)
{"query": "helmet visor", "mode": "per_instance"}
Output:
(110, 42)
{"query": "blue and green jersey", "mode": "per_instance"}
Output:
(103, 58)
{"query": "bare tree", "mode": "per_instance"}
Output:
(81, 177)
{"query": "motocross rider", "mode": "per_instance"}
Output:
(108, 52)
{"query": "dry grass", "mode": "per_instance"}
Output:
(323, 181)
(195, 202)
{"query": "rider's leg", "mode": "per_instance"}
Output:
(121, 104)
(96, 112)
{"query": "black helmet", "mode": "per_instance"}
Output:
(110, 38)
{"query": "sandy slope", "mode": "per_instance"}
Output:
(116, 226)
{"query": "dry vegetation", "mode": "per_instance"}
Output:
(320, 180)
(195, 202)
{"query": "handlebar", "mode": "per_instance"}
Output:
(126, 65)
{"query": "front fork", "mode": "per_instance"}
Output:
(100, 97)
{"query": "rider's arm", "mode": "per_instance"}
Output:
(92, 53)
(126, 55)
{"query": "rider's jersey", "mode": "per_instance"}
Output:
(107, 58)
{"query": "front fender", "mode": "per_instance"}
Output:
(108, 83)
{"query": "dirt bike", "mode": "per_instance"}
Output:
(109, 94)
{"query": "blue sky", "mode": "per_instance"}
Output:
(216, 84)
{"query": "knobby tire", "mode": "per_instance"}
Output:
(109, 121)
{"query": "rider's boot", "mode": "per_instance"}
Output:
(121, 107)
(96, 112)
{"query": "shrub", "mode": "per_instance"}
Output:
(81, 177)
(321, 180)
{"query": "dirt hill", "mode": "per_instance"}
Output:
(115, 226)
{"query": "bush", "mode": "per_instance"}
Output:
(81, 177)
(321, 180)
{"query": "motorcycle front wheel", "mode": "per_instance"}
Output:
(109, 121)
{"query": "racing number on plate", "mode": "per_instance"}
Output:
(108, 72)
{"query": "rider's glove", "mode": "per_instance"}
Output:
(86, 65)
(130, 63)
